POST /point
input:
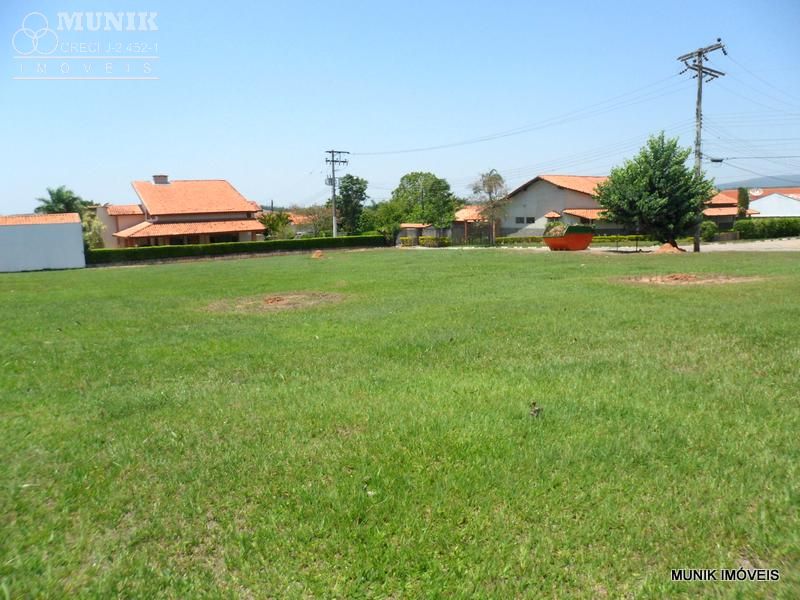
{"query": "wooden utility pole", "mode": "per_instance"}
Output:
(334, 160)
(701, 71)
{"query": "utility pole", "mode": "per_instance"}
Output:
(335, 159)
(701, 71)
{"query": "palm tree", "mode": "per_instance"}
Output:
(61, 200)
(491, 190)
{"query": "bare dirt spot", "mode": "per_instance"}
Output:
(669, 249)
(274, 302)
(689, 279)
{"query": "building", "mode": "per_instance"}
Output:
(723, 208)
(469, 225)
(777, 205)
(205, 211)
(36, 242)
(569, 198)
(115, 218)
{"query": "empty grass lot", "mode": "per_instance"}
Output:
(380, 445)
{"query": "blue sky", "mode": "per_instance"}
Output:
(255, 92)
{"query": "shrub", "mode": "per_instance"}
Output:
(551, 225)
(406, 241)
(430, 241)
(708, 231)
(750, 229)
(116, 255)
(506, 241)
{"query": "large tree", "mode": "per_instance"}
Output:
(61, 200)
(421, 197)
(277, 224)
(490, 191)
(656, 192)
(350, 203)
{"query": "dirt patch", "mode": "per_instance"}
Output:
(668, 249)
(274, 302)
(688, 279)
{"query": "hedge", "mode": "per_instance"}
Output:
(406, 241)
(615, 239)
(116, 255)
(503, 241)
(752, 229)
(430, 241)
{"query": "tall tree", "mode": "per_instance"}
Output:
(92, 229)
(656, 191)
(350, 203)
(743, 202)
(490, 190)
(61, 200)
(421, 197)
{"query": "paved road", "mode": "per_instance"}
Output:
(785, 245)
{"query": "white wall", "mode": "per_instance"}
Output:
(41, 246)
(776, 205)
(538, 200)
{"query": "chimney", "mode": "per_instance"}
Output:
(160, 179)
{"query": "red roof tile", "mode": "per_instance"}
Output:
(147, 229)
(726, 211)
(191, 197)
(585, 184)
(413, 225)
(731, 197)
(585, 213)
(46, 219)
(552, 215)
(118, 210)
(471, 212)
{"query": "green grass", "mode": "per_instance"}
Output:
(382, 446)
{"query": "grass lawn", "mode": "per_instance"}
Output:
(382, 446)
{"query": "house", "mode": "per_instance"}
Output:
(777, 205)
(569, 198)
(204, 211)
(115, 218)
(723, 208)
(35, 242)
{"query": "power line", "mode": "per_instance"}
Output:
(762, 80)
(591, 110)
(762, 175)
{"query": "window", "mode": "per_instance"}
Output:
(519, 220)
(530, 219)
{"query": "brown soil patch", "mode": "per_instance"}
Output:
(688, 279)
(275, 302)
(669, 249)
(317, 254)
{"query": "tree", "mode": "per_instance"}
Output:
(490, 190)
(743, 201)
(92, 230)
(421, 197)
(320, 219)
(276, 224)
(350, 203)
(656, 192)
(61, 200)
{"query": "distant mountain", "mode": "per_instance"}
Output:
(763, 182)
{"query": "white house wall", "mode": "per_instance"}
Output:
(538, 200)
(41, 246)
(776, 205)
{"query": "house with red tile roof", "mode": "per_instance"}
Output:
(569, 198)
(204, 211)
(724, 206)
